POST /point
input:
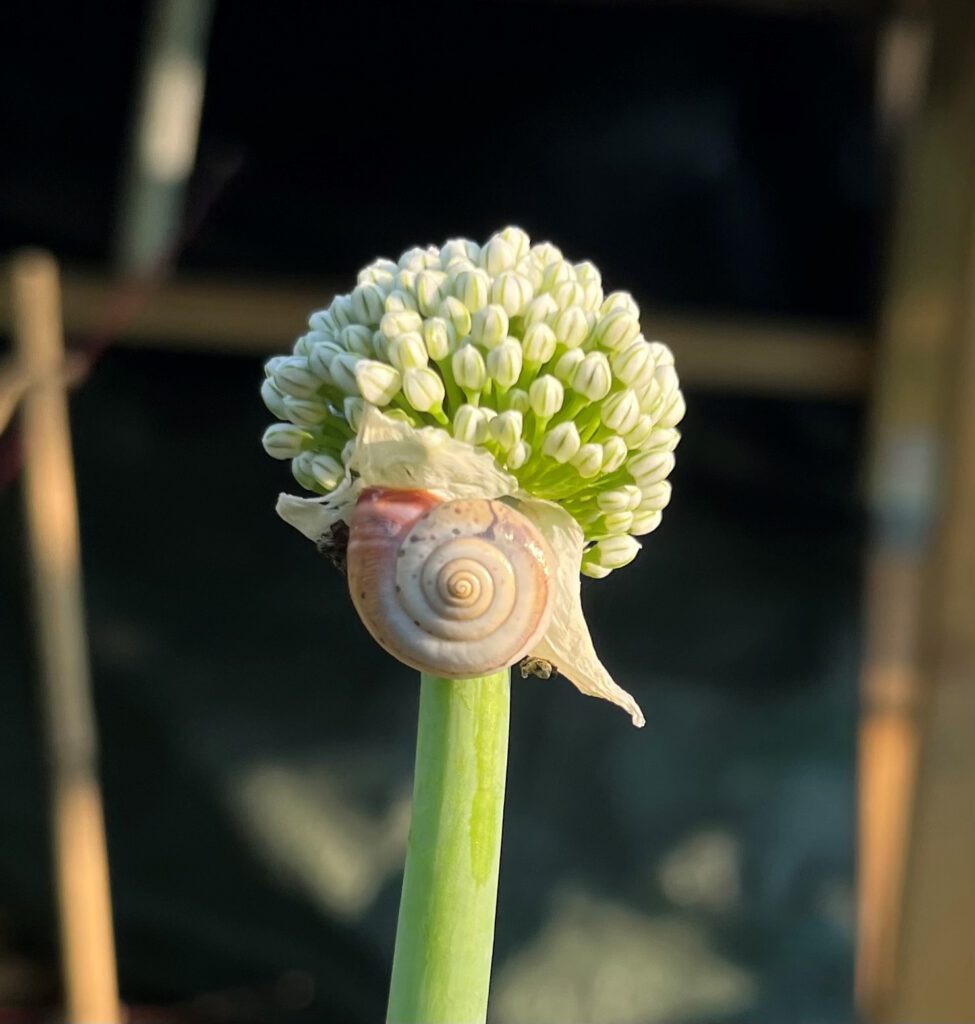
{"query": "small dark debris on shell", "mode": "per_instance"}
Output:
(537, 667)
(334, 545)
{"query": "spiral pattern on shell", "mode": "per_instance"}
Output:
(457, 588)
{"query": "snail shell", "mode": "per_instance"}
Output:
(452, 588)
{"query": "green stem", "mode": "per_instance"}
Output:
(445, 935)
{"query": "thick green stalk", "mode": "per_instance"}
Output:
(445, 935)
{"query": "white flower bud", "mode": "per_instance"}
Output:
(497, 255)
(430, 290)
(673, 412)
(456, 314)
(633, 365)
(400, 322)
(620, 300)
(655, 497)
(306, 342)
(292, 377)
(423, 388)
(555, 273)
(489, 326)
(506, 429)
(614, 453)
(666, 377)
(518, 400)
(342, 369)
(612, 553)
(513, 291)
(545, 253)
(592, 297)
(569, 293)
(518, 455)
(593, 377)
(662, 356)
(648, 468)
(473, 288)
(572, 326)
(645, 522)
(342, 312)
(414, 259)
(617, 522)
(504, 363)
(273, 399)
(468, 366)
(439, 337)
(562, 442)
(322, 320)
(617, 330)
(588, 460)
(322, 469)
(285, 440)
(320, 358)
(546, 395)
(527, 267)
(357, 338)
(400, 301)
(378, 383)
(352, 409)
(379, 272)
(539, 344)
(587, 273)
(620, 411)
(305, 412)
(407, 351)
(636, 437)
(518, 240)
(379, 343)
(593, 570)
(368, 302)
(542, 309)
(568, 363)
(469, 425)
(617, 500)
(459, 248)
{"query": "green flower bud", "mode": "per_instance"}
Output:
(518, 240)
(318, 468)
(368, 301)
(285, 440)
(518, 455)
(512, 291)
(305, 412)
(456, 314)
(546, 394)
(620, 411)
(562, 442)
(593, 377)
(611, 553)
(539, 344)
(645, 522)
(470, 425)
(407, 351)
(430, 285)
(352, 409)
(572, 326)
(506, 429)
(439, 337)
(497, 255)
(655, 497)
(614, 453)
(378, 383)
(620, 300)
(291, 376)
(541, 310)
(489, 326)
(588, 460)
(459, 248)
(648, 468)
(400, 301)
(357, 338)
(555, 273)
(633, 365)
(423, 388)
(473, 288)
(569, 293)
(468, 367)
(518, 400)
(273, 399)
(342, 369)
(400, 322)
(568, 363)
(504, 363)
(617, 330)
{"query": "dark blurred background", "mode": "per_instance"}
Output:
(737, 167)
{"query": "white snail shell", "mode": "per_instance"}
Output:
(453, 588)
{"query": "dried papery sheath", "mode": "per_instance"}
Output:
(500, 372)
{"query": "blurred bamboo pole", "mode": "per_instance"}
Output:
(916, 384)
(51, 515)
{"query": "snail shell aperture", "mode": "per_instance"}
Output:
(453, 588)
